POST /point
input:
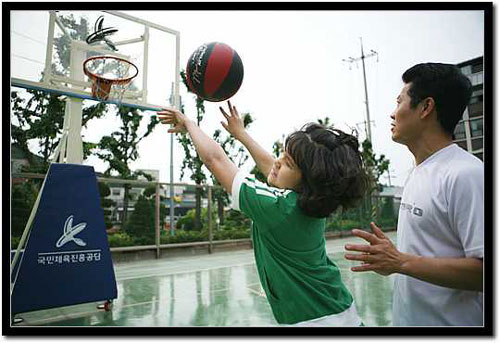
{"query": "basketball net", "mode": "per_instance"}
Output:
(110, 76)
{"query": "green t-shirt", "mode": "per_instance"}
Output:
(300, 281)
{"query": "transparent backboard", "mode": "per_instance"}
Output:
(48, 49)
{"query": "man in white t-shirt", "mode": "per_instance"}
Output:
(439, 257)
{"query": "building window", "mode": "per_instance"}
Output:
(116, 192)
(476, 110)
(462, 144)
(467, 70)
(477, 144)
(477, 97)
(476, 79)
(477, 68)
(459, 131)
(476, 127)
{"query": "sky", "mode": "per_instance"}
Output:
(294, 72)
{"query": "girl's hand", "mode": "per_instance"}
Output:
(234, 122)
(175, 117)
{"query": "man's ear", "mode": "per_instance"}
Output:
(428, 105)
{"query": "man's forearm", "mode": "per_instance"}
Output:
(262, 158)
(458, 273)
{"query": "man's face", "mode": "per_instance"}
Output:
(285, 173)
(406, 124)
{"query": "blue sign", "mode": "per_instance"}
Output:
(66, 260)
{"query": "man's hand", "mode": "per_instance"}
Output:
(234, 122)
(380, 256)
(173, 116)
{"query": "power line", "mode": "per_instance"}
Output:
(28, 59)
(28, 37)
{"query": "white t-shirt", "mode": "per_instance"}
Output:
(441, 215)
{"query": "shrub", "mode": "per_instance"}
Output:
(236, 233)
(14, 242)
(182, 236)
(120, 239)
(187, 221)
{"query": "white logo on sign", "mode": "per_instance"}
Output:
(69, 233)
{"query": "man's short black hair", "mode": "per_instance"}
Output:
(445, 83)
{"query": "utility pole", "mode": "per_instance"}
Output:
(172, 205)
(362, 58)
(389, 176)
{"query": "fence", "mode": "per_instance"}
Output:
(138, 214)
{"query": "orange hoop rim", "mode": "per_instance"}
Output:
(104, 79)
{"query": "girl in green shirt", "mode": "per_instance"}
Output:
(320, 170)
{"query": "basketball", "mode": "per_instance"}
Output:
(214, 72)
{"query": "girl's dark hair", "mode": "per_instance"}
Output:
(333, 172)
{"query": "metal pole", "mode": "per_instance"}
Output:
(209, 219)
(174, 103)
(157, 220)
(350, 60)
(177, 104)
(172, 205)
(368, 124)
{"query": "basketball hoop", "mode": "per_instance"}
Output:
(110, 76)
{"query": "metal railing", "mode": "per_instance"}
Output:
(142, 225)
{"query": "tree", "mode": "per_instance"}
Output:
(39, 116)
(237, 154)
(191, 159)
(120, 148)
(23, 198)
(142, 221)
(106, 204)
(376, 166)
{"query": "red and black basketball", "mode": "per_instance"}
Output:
(214, 72)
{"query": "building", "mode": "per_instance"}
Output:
(469, 131)
(184, 197)
(21, 160)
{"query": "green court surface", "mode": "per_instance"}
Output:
(220, 289)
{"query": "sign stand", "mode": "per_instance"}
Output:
(67, 259)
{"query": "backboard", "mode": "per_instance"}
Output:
(48, 49)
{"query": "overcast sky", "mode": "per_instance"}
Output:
(294, 71)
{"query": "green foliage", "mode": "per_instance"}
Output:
(23, 198)
(183, 236)
(14, 242)
(187, 222)
(236, 220)
(39, 116)
(120, 148)
(387, 211)
(105, 191)
(376, 165)
(345, 225)
(149, 191)
(120, 239)
(142, 220)
(236, 233)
